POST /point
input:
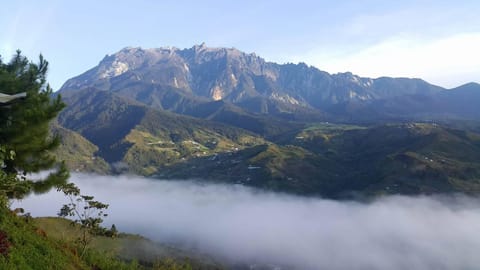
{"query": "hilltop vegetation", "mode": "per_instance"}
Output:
(127, 250)
(80, 155)
(49, 243)
(29, 247)
(328, 159)
(347, 161)
(133, 137)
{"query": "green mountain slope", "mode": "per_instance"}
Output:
(332, 160)
(341, 161)
(406, 159)
(133, 137)
(78, 153)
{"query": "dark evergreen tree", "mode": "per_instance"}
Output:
(113, 231)
(24, 128)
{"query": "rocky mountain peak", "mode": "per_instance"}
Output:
(234, 76)
(200, 47)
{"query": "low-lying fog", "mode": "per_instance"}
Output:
(243, 224)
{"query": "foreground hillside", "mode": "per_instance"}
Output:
(49, 243)
(23, 245)
(129, 248)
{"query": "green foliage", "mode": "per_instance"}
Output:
(340, 161)
(9, 186)
(86, 212)
(24, 130)
(113, 232)
(78, 153)
(105, 261)
(132, 251)
(29, 248)
(132, 135)
(170, 264)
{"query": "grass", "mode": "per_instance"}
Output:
(139, 251)
(78, 152)
(413, 158)
(152, 151)
(31, 250)
(49, 243)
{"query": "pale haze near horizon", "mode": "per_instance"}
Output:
(434, 40)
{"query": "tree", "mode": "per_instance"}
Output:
(86, 212)
(25, 141)
(113, 232)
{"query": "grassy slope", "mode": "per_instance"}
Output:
(78, 153)
(139, 139)
(36, 253)
(343, 161)
(128, 247)
(163, 139)
(49, 243)
(30, 250)
(404, 158)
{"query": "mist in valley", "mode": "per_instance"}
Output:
(247, 225)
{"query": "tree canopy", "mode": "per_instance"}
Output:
(25, 140)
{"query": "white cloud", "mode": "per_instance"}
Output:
(448, 61)
(311, 233)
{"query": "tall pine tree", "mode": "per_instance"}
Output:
(24, 128)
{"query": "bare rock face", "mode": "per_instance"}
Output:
(160, 77)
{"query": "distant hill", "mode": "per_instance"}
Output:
(459, 103)
(348, 161)
(131, 135)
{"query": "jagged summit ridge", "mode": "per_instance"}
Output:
(228, 74)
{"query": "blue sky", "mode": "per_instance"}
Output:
(438, 41)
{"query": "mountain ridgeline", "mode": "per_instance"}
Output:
(179, 80)
(224, 115)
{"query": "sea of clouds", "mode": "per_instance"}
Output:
(248, 225)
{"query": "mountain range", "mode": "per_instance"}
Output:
(181, 80)
(224, 115)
